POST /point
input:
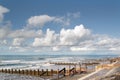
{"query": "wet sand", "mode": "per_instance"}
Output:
(5, 76)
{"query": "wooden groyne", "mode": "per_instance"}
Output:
(114, 59)
(73, 68)
(30, 72)
(63, 63)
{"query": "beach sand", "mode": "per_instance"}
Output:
(5, 76)
(75, 77)
(110, 72)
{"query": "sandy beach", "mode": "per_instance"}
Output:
(107, 72)
(5, 76)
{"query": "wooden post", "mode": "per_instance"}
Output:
(47, 71)
(12, 71)
(22, 71)
(41, 72)
(2, 70)
(19, 71)
(64, 71)
(51, 72)
(75, 69)
(8, 70)
(58, 74)
(69, 70)
(80, 67)
(31, 72)
(38, 72)
(86, 66)
(5, 70)
(34, 72)
(28, 72)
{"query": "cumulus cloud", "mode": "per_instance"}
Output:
(4, 31)
(37, 42)
(31, 39)
(18, 41)
(105, 42)
(48, 39)
(23, 33)
(2, 11)
(77, 39)
(74, 36)
(56, 48)
(39, 21)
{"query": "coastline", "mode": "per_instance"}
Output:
(108, 64)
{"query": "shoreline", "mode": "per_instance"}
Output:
(109, 63)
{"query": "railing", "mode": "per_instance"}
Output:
(61, 73)
(72, 71)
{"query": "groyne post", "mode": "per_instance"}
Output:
(51, 73)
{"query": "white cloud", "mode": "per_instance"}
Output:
(74, 15)
(77, 39)
(2, 11)
(62, 20)
(56, 48)
(105, 41)
(108, 43)
(18, 49)
(74, 36)
(3, 42)
(18, 41)
(37, 42)
(82, 49)
(4, 31)
(23, 33)
(39, 21)
(48, 39)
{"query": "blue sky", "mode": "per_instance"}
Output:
(95, 19)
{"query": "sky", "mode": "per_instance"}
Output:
(59, 26)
